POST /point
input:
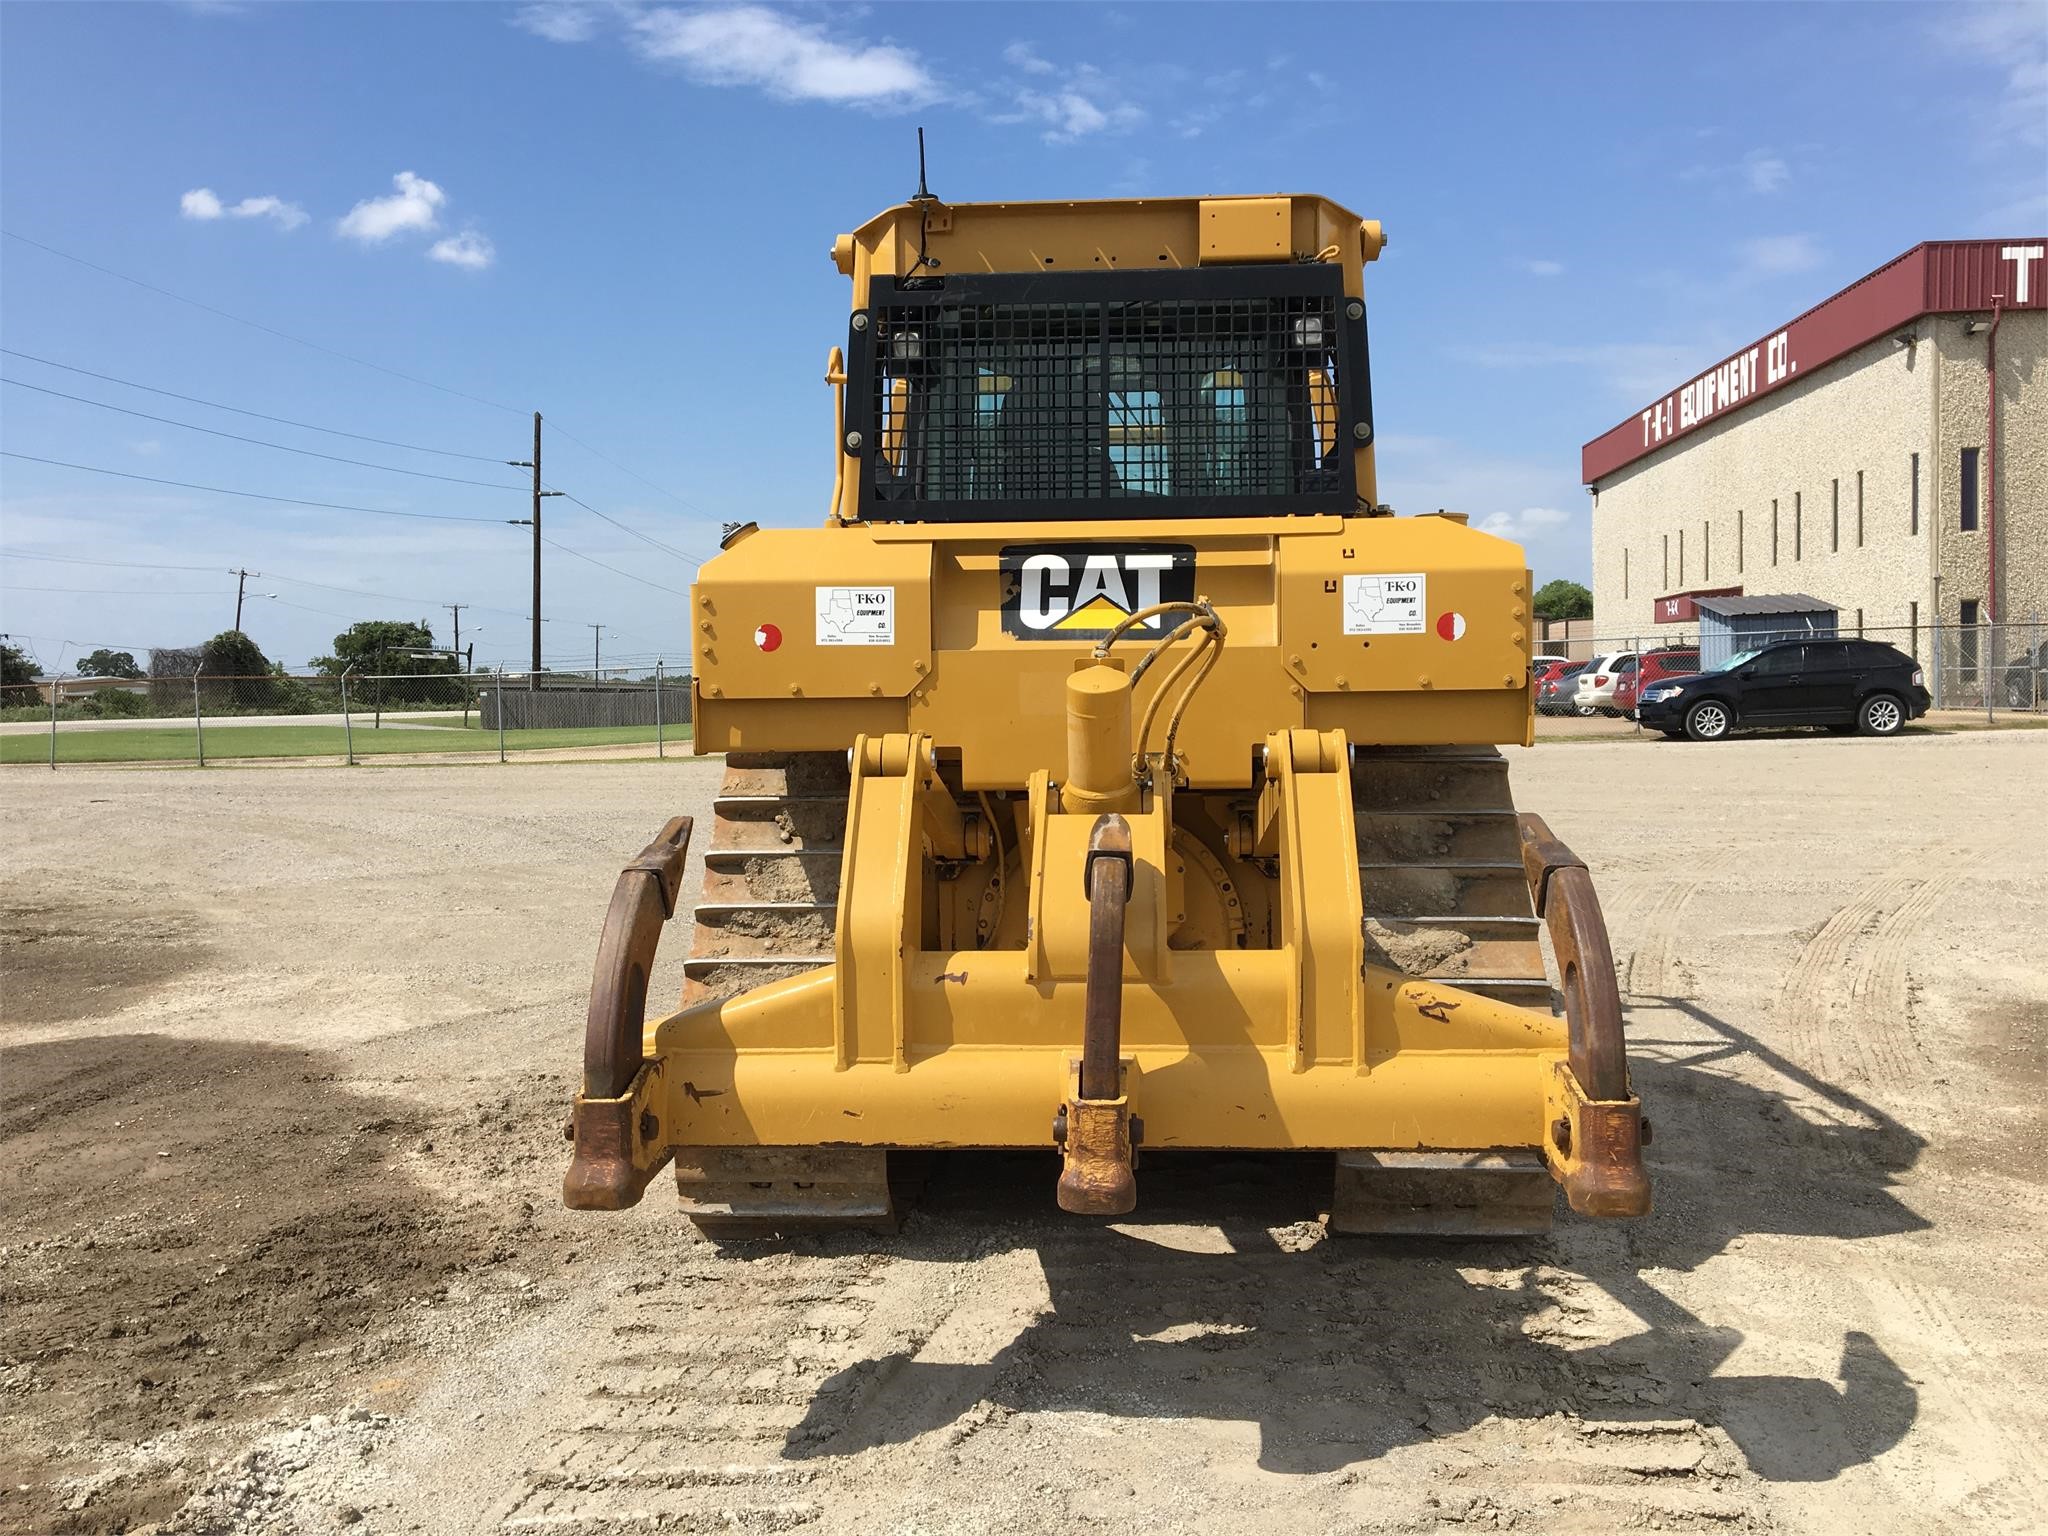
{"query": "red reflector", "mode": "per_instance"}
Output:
(1600, 682)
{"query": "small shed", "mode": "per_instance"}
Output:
(1729, 625)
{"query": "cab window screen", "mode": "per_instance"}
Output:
(1119, 403)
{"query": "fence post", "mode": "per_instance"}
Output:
(1992, 673)
(500, 702)
(198, 718)
(53, 724)
(659, 748)
(348, 735)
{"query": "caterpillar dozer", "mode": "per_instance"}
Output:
(1111, 773)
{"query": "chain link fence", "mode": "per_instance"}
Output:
(349, 717)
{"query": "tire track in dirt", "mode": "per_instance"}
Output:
(2010, 1468)
(1844, 1007)
(720, 1371)
(1650, 967)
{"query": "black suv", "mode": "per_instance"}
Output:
(1847, 685)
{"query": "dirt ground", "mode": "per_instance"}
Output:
(286, 1058)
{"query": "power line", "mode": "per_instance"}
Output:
(270, 330)
(107, 591)
(131, 565)
(350, 357)
(644, 538)
(393, 469)
(217, 490)
(586, 559)
(615, 464)
(283, 421)
(300, 581)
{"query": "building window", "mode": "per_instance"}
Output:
(1738, 541)
(1667, 562)
(1835, 516)
(1681, 557)
(1969, 490)
(1798, 526)
(1966, 642)
(1859, 623)
(1774, 530)
(1913, 527)
(1706, 551)
(1624, 573)
(1913, 619)
(1859, 509)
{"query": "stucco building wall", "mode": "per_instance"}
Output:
(1829, 463)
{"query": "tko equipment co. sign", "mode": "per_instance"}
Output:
(1941, 277)
(1082, 591)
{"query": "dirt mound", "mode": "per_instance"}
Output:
(193, 1233)
(66, 960)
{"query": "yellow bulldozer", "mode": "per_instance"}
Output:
(1111, 774)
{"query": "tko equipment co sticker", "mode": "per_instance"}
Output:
(1385, 605)
(856, 616)
(1082, 591)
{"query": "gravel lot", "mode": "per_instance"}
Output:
(287, 1053)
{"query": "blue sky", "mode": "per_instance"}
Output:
(620, 215)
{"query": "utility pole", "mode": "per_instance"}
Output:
(596, 650)
(536, 543)
(456, 610)
(241, 581)
(533, 678)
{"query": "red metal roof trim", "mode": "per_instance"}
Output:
(1937, 277)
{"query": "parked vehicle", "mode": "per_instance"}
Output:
(1847, 685)
(1654, 667)
(2026, 680)
(1554, 691)
(1596, 686)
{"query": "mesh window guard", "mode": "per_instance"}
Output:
(1113, 394)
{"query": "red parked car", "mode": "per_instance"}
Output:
(1654, 667)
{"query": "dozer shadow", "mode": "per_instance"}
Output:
(1345, 1349)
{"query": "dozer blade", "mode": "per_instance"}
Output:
(741, 1192)
(1442, 1194)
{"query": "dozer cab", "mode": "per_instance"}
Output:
(1111, 774)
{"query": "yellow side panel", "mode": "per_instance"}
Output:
(1245, 229)
(783, 578)
(1405, 605)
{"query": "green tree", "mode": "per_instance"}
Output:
(106, 663)
(15, 668)
(1563, 599)
(233, 654)
(377, 648)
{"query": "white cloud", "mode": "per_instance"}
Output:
(468, 249)
(414, 206)
(148, 447)
(1760, 171)
(2013, 41)
(1521, 526)
(1085, 101)
(1777, 255)
(1627, 368)
(1536, 503)
(558, 23)
(204, 203)
(1537, 266)
(1764, 171)
(1023, 56)
(789, 59)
